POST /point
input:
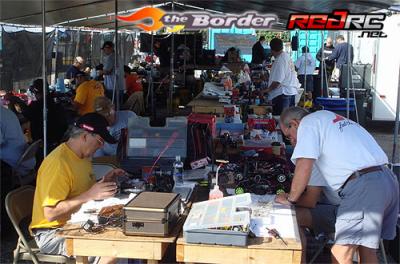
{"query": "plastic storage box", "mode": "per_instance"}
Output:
(219, 221)
(144, 143)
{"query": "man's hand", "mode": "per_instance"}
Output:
(112, 175)
(282, 198)
(101, 190)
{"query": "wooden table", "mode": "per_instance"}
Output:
(113, 243)
(206, 106)
(259, 250)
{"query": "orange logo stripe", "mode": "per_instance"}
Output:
(146, 13)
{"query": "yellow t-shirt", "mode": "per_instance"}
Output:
(62, 175)
(86, 93)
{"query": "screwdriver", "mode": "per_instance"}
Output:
(273, 232)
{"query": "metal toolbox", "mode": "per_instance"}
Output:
(151, 214)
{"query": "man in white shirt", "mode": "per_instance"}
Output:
(305, 66)
(353, 164)
(282, 83)
(110, 74)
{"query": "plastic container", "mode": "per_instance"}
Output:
(207, 220)
(178, 171)
(143, 143)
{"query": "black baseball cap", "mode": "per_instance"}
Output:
(97, 124)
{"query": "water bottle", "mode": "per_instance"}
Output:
(178, 171)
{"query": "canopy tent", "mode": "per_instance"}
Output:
(100, 14)
(84, 12)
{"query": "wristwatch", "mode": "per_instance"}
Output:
(290, 201)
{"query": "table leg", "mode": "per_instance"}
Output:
(82, 260)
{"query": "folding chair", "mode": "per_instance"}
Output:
(19, 205)
(28, 154)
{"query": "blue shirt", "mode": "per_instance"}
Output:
(12, 141)
(121, 122)
(72, 71)
(340, 54)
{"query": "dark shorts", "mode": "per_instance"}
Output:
(307, 83)
(282, 102)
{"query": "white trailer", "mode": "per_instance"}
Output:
(384, 56)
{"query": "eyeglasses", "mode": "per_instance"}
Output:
(99, 139)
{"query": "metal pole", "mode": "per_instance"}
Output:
(44, 78)
(395, 159)
(151, 83)
(305, 69)
(116, 66)
(322, 64)
(348, 77)
(171, 83)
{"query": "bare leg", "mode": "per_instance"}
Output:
(107, 260)
(343, 254)
(367, 255)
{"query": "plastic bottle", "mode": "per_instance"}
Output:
(178, 171)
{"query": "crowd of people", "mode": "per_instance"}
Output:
(338, 163)
(333, 59)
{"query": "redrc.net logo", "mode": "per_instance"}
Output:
(370, 24)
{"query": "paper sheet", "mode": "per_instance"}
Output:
(82, 215)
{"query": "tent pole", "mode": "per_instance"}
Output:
(171, 83)
(322, 64)
(116, 71)
(44, 78)
(348, 76)
(395, 158)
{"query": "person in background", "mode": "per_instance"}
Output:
(12, 146)
(86, 93)
(134, 90)
(56, 116)
(65, 181)
(117, 120)
(353, 165)
(305, 66)
(329, 65)
(110, 72)
(340, 55)
(282, 83)
(75, 68)
(258, 55)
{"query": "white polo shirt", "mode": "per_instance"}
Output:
(283, 71)
(338, 145)
(328, 195)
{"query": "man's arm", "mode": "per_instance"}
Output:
(319, 54)
(65, 208)
(273, 86)
(301, 177)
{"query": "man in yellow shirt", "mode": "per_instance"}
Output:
(86, 93)
(65, 181)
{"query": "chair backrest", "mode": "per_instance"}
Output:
(30, 152)
(19, 204)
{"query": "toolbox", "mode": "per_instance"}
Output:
(151, 214)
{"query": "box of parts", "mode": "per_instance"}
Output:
(151, 214)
